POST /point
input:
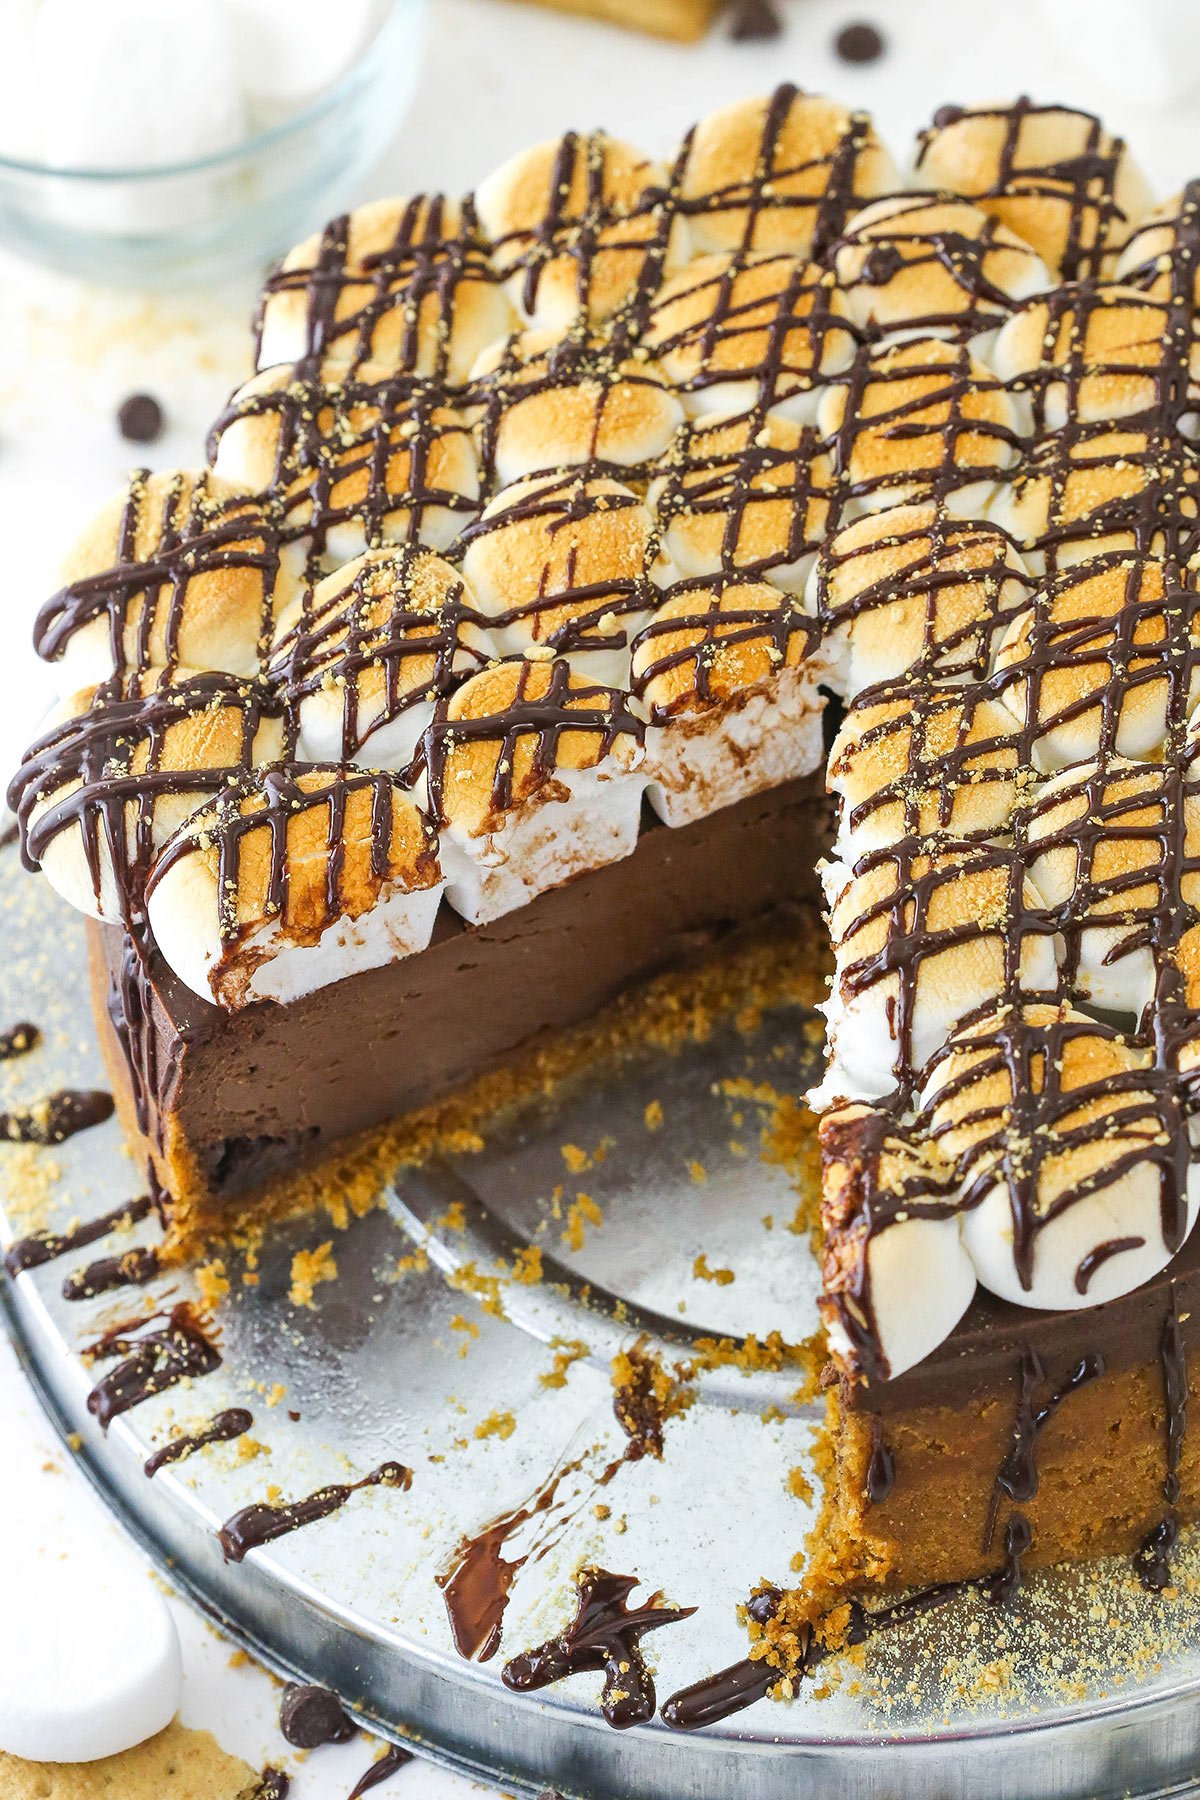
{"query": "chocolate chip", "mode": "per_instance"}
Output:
(882, 265)
(549, 1794)
(859, 43)
(755, 21)
(140, 418)
(312, 1716)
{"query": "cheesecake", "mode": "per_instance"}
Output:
(598, 568)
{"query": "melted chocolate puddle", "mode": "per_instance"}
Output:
(58, 1117)
(261, 1523)
(19, 1040)
(154, 1362)
(477, 1585)
(393, 1758)
(132, 1269)
(44, 1246)
(605, 1635)
(310, 1716)
(220, 1430)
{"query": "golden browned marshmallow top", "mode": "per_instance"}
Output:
(914, 590)
(735, 331)
(1104, 489)
(541, 401)
(710, 642)
(178, 568)
(580, 226)
(350, 457)
(511, 732)
(561, 560)
(929, 761)
(779, 173)
(374, 638)
(304, 846)
(1162, 257)
(1106, 659)
(930, 262)
(920, 419)
(1097, 351)
(404, 283)
(1053, 175)
(751, 495)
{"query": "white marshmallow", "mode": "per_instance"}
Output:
(533, 773)
(89, 1656)
(927, 934)
(591, 821)
(1082, 1141)
(706, 760)
(287, 50)
(214, 912)
(902, 1283)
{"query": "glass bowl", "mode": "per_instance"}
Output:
(192, 220)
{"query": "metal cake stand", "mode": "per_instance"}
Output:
(1083, 1687)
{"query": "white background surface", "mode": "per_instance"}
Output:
(496, 75)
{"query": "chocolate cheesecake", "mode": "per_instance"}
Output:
(481, 676)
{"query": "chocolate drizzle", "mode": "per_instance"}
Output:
(1152, 1561)
(19, 1040)
(46, 1246)
(58, 1117)
(221, 1429)
(164, 1349)
(1095, 1259)
(393, 1758)
(881, 1466)
(605, 1635)
(133, 1268)
(1017, 1476)
(261, 1523)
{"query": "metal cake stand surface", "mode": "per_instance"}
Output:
(1083, 1687)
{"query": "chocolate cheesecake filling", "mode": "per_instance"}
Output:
(242, 1095)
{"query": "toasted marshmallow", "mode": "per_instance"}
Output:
(580, 226)
(931, 265)
(402, 283)
(1071, 1154)
(291, 879)
(1114, 849)
(349, 459)
(1098, 489)
(545, 402)
(360, 663)
(1097, 351)
(748, 496)
(531, 775)
(119, 766)
(920, 941)
(1162, 257)
(558, 566)
(895, 1276)
(779, 173)
(750, 330)
(913, 590)
(723, 674)
(1103, 661)
(177, 569)
(920, 420)
(932, 762)
(1053, 175)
